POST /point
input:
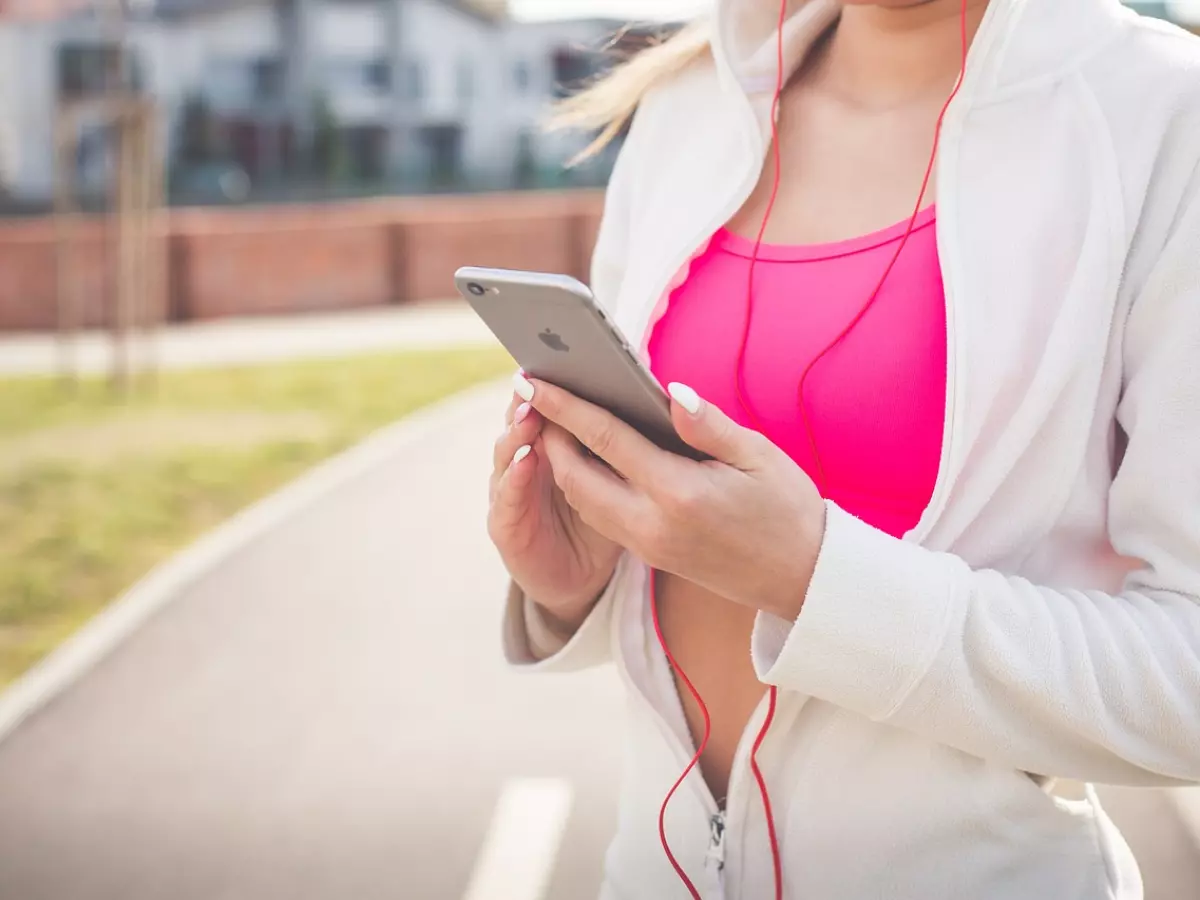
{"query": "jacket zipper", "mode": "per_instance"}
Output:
(737, 778)
(718, 817)
(715, 854)
(716, 841)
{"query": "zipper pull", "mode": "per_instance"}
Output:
(716, 842)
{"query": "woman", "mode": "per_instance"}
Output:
(948, 547)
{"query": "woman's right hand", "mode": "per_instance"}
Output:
(560, 563)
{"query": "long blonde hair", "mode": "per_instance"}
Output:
(608, 104)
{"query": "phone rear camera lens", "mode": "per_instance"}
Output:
(476, 288)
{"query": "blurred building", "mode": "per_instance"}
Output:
(384, 94)
(420, 90)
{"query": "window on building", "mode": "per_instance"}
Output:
(465, 81)
(266, 78)
(521, 76)
(139, 80)
(414, 81)
(92, 68)
(378, 74)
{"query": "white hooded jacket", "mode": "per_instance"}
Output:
(1044, 615)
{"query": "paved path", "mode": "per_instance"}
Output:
(259, 340)
(327, 716)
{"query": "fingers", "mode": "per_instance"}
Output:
(704, 426)
(523, 428)
(601, 497)
(512, 409)
(512, 494)
(516, 401)
(615, 442)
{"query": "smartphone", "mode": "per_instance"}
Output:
(557, 332)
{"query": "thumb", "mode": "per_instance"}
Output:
(703, 426)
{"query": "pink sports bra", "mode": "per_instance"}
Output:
(875, 402)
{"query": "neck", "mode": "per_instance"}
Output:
(879, 56)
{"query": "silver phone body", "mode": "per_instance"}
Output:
(557, 332)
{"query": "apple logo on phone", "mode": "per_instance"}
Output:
(553, 341)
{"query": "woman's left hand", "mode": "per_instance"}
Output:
(746, 525)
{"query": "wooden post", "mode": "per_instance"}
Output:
(135, 252)
(66, 238)
(123, 209)
(122, 205)
(157, 238)
(139, 236)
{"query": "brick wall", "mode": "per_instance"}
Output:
(281, 259)
(28, 275)
(256, 262)
(544, 233)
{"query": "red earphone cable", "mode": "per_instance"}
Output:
(776, 180)
(662, 813)
(937, 134)
(776, 858)
(776, 855)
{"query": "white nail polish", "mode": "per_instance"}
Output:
(685, 397)
(522, 452)
(523, 388)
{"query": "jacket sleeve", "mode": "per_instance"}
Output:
(1070, 683)
(528, 640)
(533, 645)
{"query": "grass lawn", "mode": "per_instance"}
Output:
(94, 490)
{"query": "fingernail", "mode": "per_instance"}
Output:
(523, 388)
(685, 397)
(522, 452)
(522, 412)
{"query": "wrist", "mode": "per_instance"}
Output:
(563, 622)
(565, 616)
(787, 601)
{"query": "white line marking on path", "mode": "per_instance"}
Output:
(522, 841)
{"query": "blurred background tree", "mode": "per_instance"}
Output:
(330, 162)
(199, 133)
